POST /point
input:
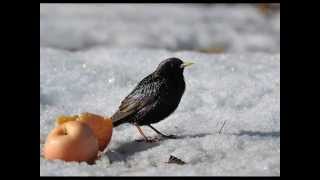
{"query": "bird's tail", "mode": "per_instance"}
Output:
(116, 123)
(117, 120)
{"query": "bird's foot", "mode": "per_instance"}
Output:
(152, 140)
(148, 140)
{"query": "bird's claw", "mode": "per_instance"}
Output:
(152, 140)
(149, 140)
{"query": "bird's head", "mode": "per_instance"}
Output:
(172, 67)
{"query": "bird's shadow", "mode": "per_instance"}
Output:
(275, 134)
(125, 150)
(192, 136)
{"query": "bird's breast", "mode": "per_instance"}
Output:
(173, 93)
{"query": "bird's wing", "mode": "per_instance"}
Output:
(132, 105)
(143, 95)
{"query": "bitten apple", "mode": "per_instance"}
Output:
(71, 141)
(101, 126)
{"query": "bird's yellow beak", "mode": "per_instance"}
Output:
(186, 64)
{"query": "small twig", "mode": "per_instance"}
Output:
(217, 123)
(222, 126)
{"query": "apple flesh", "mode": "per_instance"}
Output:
(71, 141)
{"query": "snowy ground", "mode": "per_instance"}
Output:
(91, 56)
(241, 89)
(231, 28)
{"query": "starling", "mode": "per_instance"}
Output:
(154, 98)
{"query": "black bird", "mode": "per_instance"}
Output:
(154, 98)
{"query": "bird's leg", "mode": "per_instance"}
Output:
(141, 132)
(163, 135)
(149, 140)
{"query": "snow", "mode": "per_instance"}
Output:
(228, 121)
(242, 90)
(236, 28)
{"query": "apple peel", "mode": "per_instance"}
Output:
(101, 126)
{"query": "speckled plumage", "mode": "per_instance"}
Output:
(155, 97)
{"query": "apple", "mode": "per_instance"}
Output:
(71, 141)
(63, 119)
(101, 126)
